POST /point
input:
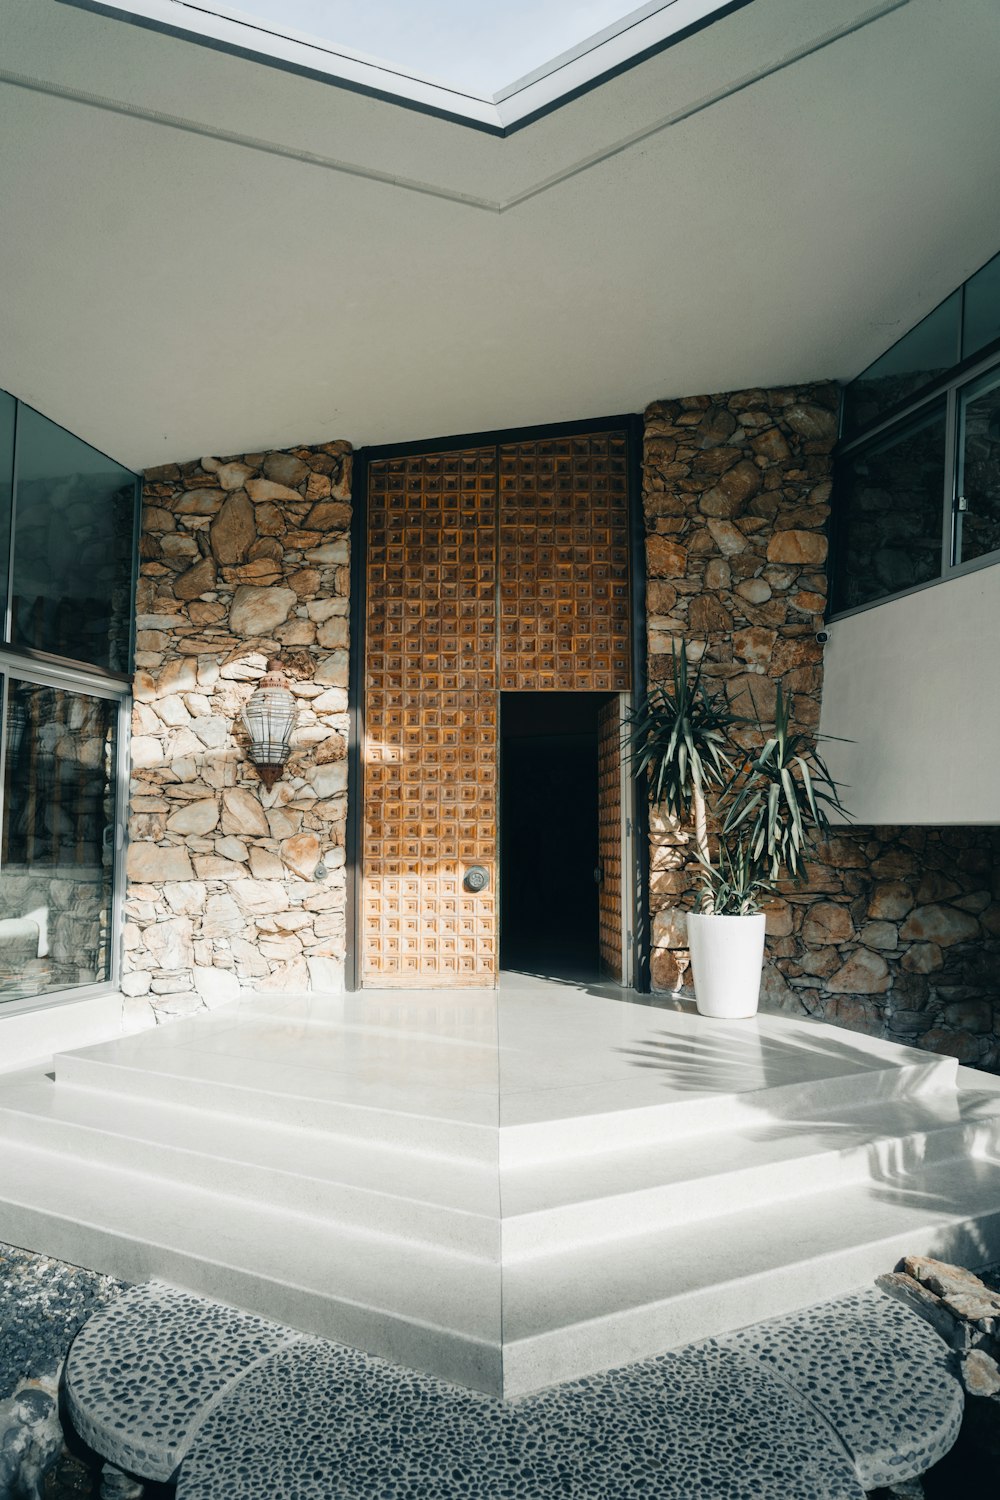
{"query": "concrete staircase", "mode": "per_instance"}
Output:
(508, 1192)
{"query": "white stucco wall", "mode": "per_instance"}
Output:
(912, 683)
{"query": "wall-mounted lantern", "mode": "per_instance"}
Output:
(269, 719)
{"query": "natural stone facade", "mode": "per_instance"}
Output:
(896, 931)
(230, 886)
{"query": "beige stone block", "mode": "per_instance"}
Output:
(326, 975)
(169, 943)
(255, 611)
(330, 554)
(944, 925)
(799, 547)
(265, 864)
(332, 516)
(195, 818)
(243, 814)
(197, 580)
(728, 538)
(261, 897)
(233, 476)
(185, 897)
(204, 501)
(864, 973)
(922, 958)
(329, 779)
(234, 530)
(301, 854)
(754, 645)
(153, 864)
(285, 468)
(232, 848)
(146, 751)
(283, 822)
(222, 917)
(269, 490)
(288, 978)
(213, 867)
(172, 711)
(334, 632)
(665, 559)
(216, 986)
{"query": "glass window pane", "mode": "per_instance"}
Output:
(928, 350)
(57, 850)
(73, 530)
(981, 324)
(890, 512)
(979, 469)
(8, 409)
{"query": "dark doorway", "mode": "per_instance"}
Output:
(549, 833)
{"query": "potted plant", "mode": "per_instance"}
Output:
(761, 808)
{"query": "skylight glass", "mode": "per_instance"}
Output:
(474, 47)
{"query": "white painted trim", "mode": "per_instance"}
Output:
(29, 1038)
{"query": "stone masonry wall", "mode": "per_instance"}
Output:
(230, 886)
(896, 931)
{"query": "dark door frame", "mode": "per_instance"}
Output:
(638, 812)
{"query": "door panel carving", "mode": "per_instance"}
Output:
(485, 568)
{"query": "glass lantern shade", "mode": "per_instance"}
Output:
(269, 719)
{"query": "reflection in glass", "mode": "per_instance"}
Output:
(8, 411)
(57, 851)
(979, 469)
(981, 323)
(73, 531)
(890, 511)
(928, 350)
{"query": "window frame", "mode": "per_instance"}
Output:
(94, 684)
(951, 388)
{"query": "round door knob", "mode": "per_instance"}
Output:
(477, 878)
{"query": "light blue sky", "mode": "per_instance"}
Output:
(479, 47)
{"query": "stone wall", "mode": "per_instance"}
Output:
(230, 886)
(896, 931)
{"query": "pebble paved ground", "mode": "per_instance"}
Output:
(43, 1302)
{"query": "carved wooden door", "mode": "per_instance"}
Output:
(485, 568)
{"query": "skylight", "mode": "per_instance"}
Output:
(474, 48)
(488, 64)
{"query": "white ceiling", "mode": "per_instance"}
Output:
(201, 253)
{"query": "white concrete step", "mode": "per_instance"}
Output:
(381, 1189)
(579, 1120)
(415, 1305)
(447, 1122)
(599, 1307)
(455, 1204)
(552, 1207)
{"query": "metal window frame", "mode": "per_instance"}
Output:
(86, 684)
(46, 669)
(951, 388)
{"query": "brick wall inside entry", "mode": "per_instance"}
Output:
(897, 930)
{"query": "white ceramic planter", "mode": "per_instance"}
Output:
(727, 954)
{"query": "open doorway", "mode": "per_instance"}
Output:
(551, 807)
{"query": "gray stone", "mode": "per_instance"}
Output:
(142, 1372)
(655, 1428)
(877, 1372)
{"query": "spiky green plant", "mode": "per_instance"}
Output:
(682, 741)
(779, 803)
(769, 805)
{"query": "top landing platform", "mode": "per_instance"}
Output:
(546, 1063)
